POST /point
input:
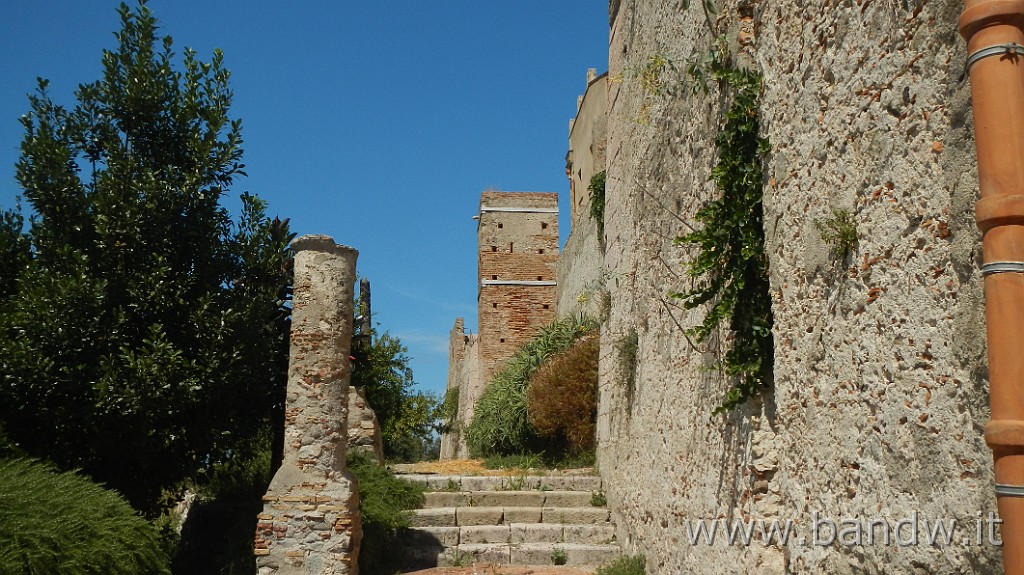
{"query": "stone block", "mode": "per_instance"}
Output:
(508, 498)
(536, 532)
(574, 515)
(594, 534)
(567, 498)
(430, 536)
(498, 553)
(482, 483)
(484, 534)
(522, 514)
(436, 517)
(576, 554)
(446, 499)
(479, 516)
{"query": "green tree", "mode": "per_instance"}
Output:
(146, 337)
(407, 418)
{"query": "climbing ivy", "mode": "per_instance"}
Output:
(596, 189)
(731, 267)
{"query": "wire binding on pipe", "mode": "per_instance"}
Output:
(1009, 490)
(1002, 268)
(1012, 49)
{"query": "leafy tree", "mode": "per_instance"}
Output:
(407, 418)
(145, 339)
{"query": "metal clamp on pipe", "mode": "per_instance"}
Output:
(1012, 50)
(1004, 490)
(1002, 268)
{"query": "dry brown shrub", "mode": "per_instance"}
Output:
(563, 396)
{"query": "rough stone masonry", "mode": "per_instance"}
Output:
(310, 522)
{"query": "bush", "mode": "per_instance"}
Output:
(217, 536)
(563, 396)
(53, 522)
(624, 565)
(384, 503)
(501, 425)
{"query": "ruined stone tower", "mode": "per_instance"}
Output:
(517, 246)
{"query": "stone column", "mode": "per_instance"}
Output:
(310, 522)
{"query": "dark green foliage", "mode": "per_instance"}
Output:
(501, 425)
(731, 267)
(146, 339)
(624, 565)
(15, 252)
(563, 397)
(218, 536)
(449, 410)
(52, 522)
(596, 189)
(385, 502)
(407, 418)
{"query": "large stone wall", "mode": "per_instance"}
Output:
(463, 375)
(580, 263)
(310, 521)
(880, 393)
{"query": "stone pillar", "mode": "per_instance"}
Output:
(310, 522)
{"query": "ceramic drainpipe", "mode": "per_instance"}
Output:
(994, 30)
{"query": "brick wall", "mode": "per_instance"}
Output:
(514, 246)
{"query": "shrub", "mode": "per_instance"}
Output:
(624, 565)
(501, 425)
(53, 522)
(384, 503)
(563, 396)
(217, 535)
(448, 412)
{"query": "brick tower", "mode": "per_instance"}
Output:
(517, 237)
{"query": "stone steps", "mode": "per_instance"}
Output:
(524, 520)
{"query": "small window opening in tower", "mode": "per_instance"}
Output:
(494, 305)
(547, 306)
(502, 340)
(510, 247)
(494, 277)
(540, 278)
(540, 251)
(543, 225)
(494, 248)
(501, 226)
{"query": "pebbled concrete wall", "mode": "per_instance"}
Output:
(880, 392)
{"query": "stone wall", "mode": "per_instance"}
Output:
(879, 381)
(580, 263)
(464, 375)
(310, 520)
(363, 427)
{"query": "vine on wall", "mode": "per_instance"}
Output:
(731, 269)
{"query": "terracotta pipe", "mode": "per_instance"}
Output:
(994, 30)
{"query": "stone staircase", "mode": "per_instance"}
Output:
(517, 520)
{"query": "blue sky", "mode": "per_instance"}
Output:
(378, 122)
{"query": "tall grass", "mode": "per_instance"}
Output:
(501, 425)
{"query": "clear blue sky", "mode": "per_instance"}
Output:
(378, 122)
